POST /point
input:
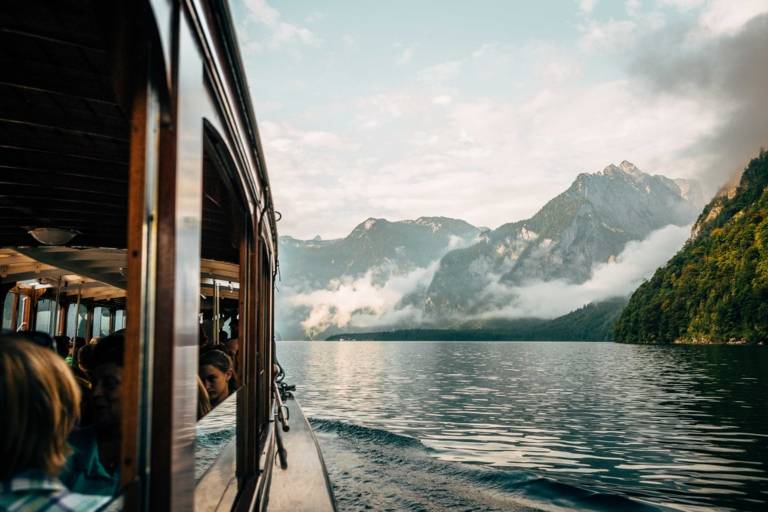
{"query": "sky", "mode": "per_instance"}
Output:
(485, 110)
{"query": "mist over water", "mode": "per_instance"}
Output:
(548, 425)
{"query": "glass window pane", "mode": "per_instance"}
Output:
(100, 322)
(8, 310)
(23, 305)
(78, 321)
(119, 319)
(43, 317)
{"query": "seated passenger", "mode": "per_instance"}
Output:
(218, 376)
(62, 346)
(40, 402)
(40, 338)
(203, 402)
(93, 467)
(231, 348)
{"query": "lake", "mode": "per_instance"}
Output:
(537, 425)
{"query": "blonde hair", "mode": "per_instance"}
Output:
(40, 402)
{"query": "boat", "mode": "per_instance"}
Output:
(135, 198)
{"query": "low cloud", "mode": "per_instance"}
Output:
(550, 299)
(361, 302)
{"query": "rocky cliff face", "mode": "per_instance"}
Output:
(589, 223)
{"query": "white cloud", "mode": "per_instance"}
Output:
(614, 35)
(440, 73)
(549, 299)
(633, 7)
(587, 6)
(283, 33)
(405, 56)
(684, 5)
(349, 42)
(426, 156)
(726, 17)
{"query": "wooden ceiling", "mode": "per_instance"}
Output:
(64, 131)
(63, 134)
(95, 273)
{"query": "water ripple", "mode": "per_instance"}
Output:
(683, 426)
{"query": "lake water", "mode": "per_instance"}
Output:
(540, 425)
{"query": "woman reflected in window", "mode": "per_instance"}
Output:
(218, 375)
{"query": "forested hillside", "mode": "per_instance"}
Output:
(593, 322)
(715, 289)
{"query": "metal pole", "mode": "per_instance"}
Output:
(52, 324)
(77, 310)
(216, 312)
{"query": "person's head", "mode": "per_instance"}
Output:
(232, 347)
(62, 345)
(40, 338)
(217, 374)
(83, 357)
(105, 370)
(40, 401)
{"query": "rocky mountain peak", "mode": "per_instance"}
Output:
(625, 167)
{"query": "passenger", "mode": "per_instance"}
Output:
(62, 346)
(203, 401)
(218, 375)
(40, 402)
(202, 340)
(83, 361)
(231, 348)
(40, 338)
(93, 467)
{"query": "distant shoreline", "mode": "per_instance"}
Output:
(498, 335)
(451, 335)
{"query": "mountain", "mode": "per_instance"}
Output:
(593, 322)
(590, 223)
(716, 288)
(375, 252)
(375, 244)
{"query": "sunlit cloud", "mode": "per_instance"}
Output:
(282, 32)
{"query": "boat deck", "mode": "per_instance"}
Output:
(304, 484)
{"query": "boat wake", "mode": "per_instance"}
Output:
(372, 469)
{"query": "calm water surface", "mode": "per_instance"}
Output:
(495, 425)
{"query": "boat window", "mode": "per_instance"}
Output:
(101, 318)
(76, 322)
(119, 319)
(221, 355)
(44, 316)
(10, 297)
(22, 318)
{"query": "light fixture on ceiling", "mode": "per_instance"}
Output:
(53, 236)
